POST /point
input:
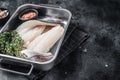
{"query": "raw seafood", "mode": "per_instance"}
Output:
(28, 15)
(31, 34)
(3, 13)
(31, 29)
(29, 54)
(32, 23)
(42, 58)
(39, 37)
(45, 42)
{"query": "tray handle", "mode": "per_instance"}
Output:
(56, 6)
(9, 65)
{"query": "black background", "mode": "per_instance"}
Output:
(99, 59)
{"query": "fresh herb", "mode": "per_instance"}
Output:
(11, 43)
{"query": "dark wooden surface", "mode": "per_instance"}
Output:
(100, 57)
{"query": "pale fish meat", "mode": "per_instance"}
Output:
(28, 53)
(46, 41)
(42, 58)
(32, 23)
(32, 55)
(32, 34)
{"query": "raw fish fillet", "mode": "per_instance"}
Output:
(32, 23)
(32, 34)
(23, 31)
(45, 42)
(29, 54)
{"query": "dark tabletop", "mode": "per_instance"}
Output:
(99, 59)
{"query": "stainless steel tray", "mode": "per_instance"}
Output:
(14, 22)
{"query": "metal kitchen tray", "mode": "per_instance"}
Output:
(14, 22)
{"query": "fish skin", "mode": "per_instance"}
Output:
(32, 55)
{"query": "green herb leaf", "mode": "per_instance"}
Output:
(11, 43)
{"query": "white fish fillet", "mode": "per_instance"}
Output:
(32, 34)
(29, 54)
(32, 23)
(34, 42)
(44, 42)
(23, 31)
